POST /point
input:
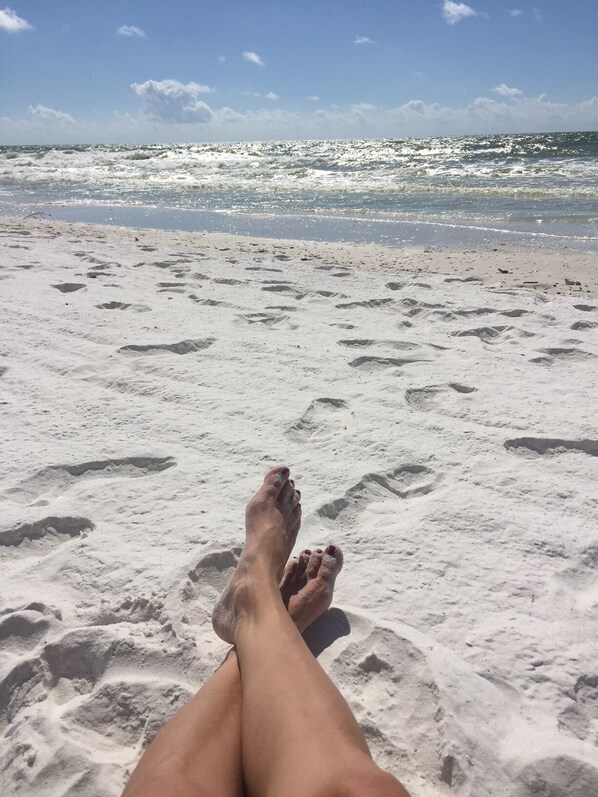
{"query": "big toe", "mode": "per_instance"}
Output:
(331, 563)
(275, 481)
(325, 564)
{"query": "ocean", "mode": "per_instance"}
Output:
(539, 189)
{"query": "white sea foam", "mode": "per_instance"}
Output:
(553, 177)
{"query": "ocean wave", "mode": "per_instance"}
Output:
(505, 173)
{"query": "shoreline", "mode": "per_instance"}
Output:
(547, 270)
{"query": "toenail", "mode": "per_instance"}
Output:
(331, 550)
(285, 472)
(307, 552)
(318, 550)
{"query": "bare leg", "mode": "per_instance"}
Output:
(299, 737)
(199, 751)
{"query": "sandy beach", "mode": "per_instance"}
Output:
(438, 409)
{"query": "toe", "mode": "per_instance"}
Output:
(313, 566)
(299, 579)
(287, 583)
(276, 479)
(286, 496)
(332, 562)
(289, 572)
(296, 499)
(296, 519)
(303, 559)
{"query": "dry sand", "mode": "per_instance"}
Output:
(443, 431)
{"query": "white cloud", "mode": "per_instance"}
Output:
(221, 59)
(455, 12)
(414, 118)
(172, 101)
(253, 58)
(269, 96)
(515, 12)
(10, 22)
(363, 40)
(538, 15)
(506, 91)
(50, 114)
(313, 98)
(132, 31)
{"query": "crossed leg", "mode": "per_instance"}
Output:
(198, 753)
(288, 731)
(298, 736)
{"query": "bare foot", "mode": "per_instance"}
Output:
(272, 520)
(308, 584)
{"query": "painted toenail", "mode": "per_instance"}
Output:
(285, 472)
(318, 550)
(331, 550)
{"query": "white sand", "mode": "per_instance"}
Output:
(443, 432)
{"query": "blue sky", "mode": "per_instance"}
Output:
(83, 71)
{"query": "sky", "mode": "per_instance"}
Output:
(135, 71)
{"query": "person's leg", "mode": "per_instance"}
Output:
(198, 752)
(299, 737)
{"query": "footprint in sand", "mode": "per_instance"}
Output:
(263, 268)
(431, 396)
(171, 287)
(580, 717)
(86, 257)
(69, 287)
(181, 347)
(323, 419)
(286, 289)
(40, 536)
(550, 446)
(266, 319)
(380, 672)
(299, 294)
(413, 307)
(494, 335)
(204, 582)
(136, 308)
(22, 629)
(405, 481)
(361, 343)
(95, 274)
(375, 363)
(369, 303)
(57, 478)
(209, 302)
(557, 776)
(133, 611)
(229, 281)
(577, 325)
(129, 711)
(80, 676)
(556, 353)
